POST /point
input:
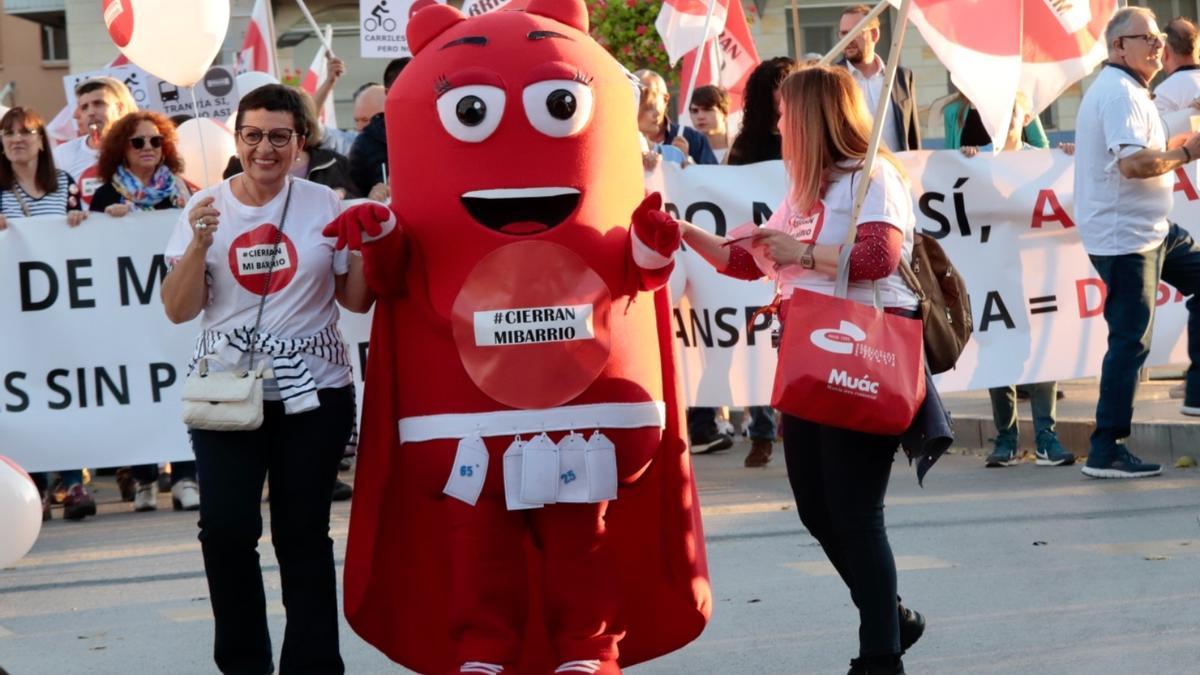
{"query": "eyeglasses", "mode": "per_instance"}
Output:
(18, 133)
(139, 142)
(252, 136)
(1152, 39)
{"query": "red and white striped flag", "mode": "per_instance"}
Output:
(681, 24)
(258, 48)
(726, 61)
(994, 48)
(317, 72)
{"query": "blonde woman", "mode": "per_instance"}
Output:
(839, 477)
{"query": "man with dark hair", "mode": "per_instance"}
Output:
(901, 128)
(1181, 87)
(99, 102)
(368, 155)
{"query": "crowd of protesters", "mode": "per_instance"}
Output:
(126, 160)
(815, 118)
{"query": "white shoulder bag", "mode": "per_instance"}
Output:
(231, 400)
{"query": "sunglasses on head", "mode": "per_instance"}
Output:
(139, 142)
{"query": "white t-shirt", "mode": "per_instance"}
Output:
(79, 161)
(1118, 215)
(888, 201)
(1178, 90)
(301, 302)
(871, 88)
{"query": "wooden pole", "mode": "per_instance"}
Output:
(700, 55)
(796, 30)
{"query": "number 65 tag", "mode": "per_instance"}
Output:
(469, 470)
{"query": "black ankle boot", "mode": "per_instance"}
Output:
(912, 627)
(877, 665)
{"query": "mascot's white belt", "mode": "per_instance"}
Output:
(577, 469)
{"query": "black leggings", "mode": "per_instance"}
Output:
(298, 456)
(839, 479)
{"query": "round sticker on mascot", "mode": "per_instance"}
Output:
(521, 384)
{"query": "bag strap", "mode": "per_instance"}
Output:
(287, 200)
(17, 190)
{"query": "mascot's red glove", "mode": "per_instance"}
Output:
(361, 224)
(656, 234)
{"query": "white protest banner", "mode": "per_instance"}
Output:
(1005, 223)
(383, 24)
(217, 94)
(91, 370)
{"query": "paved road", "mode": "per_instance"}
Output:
(1021, 570)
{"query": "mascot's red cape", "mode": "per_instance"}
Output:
(516, 179)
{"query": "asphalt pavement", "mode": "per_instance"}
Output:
(1018, 570)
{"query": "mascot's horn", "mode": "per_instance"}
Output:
(574, 13)
(430, 22)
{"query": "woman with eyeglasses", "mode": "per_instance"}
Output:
(30, 185)
(248, 258)
(140, 167)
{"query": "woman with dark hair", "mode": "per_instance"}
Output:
(30, 185)
(758, 140)
(314, 162)
(248, 258)
(838, 476)
(140, 167)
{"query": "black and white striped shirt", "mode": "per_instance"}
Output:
(64, 198)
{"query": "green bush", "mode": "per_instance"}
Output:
(626, 29)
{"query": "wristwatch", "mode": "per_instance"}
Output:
(807, 261)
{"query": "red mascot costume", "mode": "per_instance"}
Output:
(524, 500)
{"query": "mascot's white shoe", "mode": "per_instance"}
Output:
(595, 667)
(481, 668)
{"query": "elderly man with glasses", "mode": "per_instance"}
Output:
(1124, 168)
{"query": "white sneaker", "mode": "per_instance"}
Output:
(185, 495)
(1190, 410)
(146, 497)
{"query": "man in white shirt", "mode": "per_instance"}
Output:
(1182, 85)
(1124, 168)
(99, 102)
(901, 128)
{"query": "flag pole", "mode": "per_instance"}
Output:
(858, 28)
(796, 29)
(881, 107)
(700, 54)
(272, 38)
(316, 29)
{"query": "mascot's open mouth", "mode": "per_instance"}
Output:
(521, 211)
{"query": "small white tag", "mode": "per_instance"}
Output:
(539, 470)
(572, 469)
(601, 468)
(469, 470)
(512, 477)
(533, 325)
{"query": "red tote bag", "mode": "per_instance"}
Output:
(849, 365)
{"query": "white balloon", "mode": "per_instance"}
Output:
(20, 512)
(174, 40)
(204, 162)
(253, 79)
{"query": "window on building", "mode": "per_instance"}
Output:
(54, 42)
(819, 30)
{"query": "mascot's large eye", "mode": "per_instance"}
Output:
(471, 113)
(558, 108)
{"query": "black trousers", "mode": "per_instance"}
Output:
(839, 479)
(298, 456)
